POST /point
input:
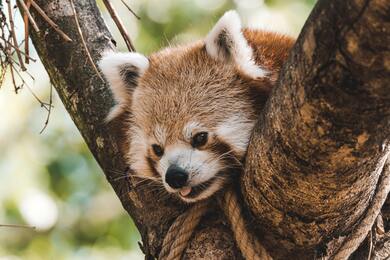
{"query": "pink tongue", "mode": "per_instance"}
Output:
(185, 191)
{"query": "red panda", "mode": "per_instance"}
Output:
(191, 109)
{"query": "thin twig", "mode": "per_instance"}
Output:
(4, 49)
(119, 24)
(2, 77)
(21, 52)
(83, 40)
(11, 22)
(26, 17)
(49, 111)
(24, 83)
(50, 21)
(26, 12)
(13, 77)
(17, 226)
(131, 11)
(26, 72)
(3, 72)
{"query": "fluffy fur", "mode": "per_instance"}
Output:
(118, 68)
(218, 85)
(225, 41)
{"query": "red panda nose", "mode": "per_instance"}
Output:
(176, 177)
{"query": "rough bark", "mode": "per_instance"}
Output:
(317, 143)
(319, 148)
(88, 100)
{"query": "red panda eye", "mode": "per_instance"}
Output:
(199, 139)
(158, 150)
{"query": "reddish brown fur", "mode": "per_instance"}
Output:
(269, 48)
(184, 84)
(178, 72)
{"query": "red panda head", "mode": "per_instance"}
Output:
(192, 108)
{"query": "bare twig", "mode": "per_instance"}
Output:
(17, 226)
(3, 48)
(2, 76)
(8, 47)
(49, 110)
(26, 18)
(24, 83)
(50, 21)
(15, 41)
(27, 14)
(131, 11)
(25, 72)
(3, 71)
(21, 52)
(45, 105)
(83, 40)
(16, 87)
(119, 24)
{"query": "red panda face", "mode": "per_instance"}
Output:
(192, 108)
(191, 125)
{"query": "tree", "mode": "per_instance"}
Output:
(316, 154)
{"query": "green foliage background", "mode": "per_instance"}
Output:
(51, 181)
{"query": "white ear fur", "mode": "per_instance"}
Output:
(226, 41)
(122, 71)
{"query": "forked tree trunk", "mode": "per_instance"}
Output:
(315, 155)
(321, 144)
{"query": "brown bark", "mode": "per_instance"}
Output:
(319, 148)
(88, 100)
(319, 140)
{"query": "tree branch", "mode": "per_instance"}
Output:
(88, 100)
(314, 158)
(319, 148)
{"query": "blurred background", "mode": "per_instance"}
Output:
(51, 181)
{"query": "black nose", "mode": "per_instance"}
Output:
(176, 177)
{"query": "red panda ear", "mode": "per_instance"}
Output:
(226, 42)
(122, 71)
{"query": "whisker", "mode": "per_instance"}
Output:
(228, 153)
(141, 184)
(121, 172)
(145, 177)
(161, 192)
(119, 178)
(165, 196)
(157, 189)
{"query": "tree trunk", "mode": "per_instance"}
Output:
(88, 100)
(319, 148)
(316, 152)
